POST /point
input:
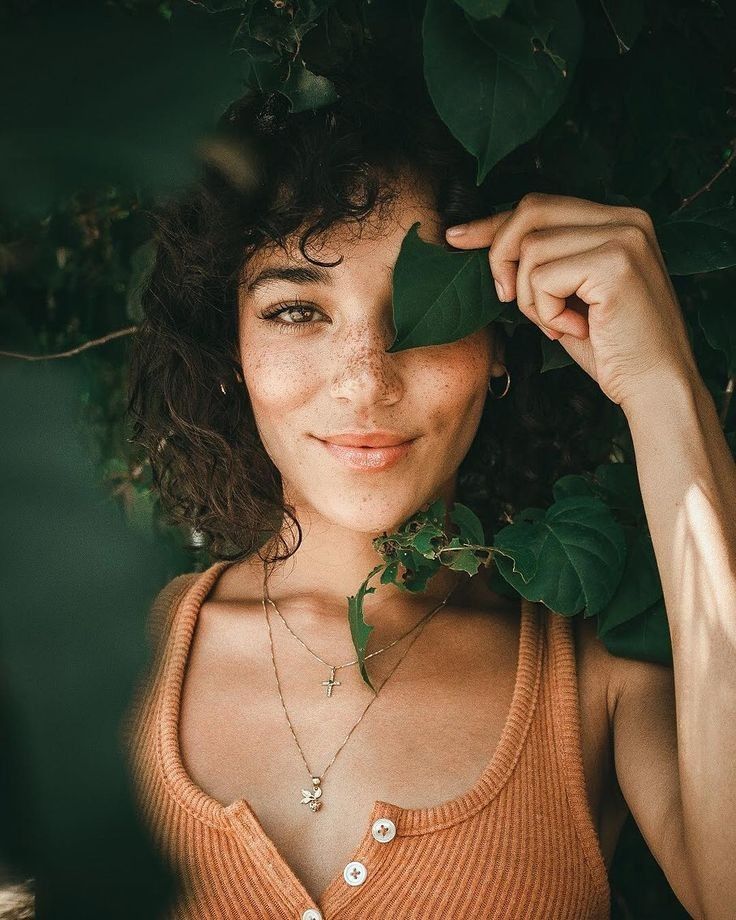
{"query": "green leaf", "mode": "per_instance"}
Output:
(359, 629)
(553, 355)
(306, 90)
(617, 484)
(703, 241)
(388, 576)
(465, 560)
(640, 586)
(483, 9)
(425, 540)
(270, 69)
(644, 638)
(440, 296)
(419, 571)
(717, 318)
(496, 82)
(572, 484)
(570, 558)
(437, 511)
(471, 528)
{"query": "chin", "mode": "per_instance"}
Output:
(368, 516)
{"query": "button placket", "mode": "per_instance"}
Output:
(372, 857)
(383, 830)
(311, 913)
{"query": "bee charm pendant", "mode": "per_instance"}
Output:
(312, 797)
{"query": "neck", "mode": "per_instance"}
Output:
(312, 587)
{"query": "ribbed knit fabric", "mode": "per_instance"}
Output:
(519, 844)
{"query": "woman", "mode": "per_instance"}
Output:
(480, 781)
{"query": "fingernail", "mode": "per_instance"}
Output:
(457, 230)
(499, 290)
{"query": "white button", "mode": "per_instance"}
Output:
(311, 914)
(355, 873)
(383, 830)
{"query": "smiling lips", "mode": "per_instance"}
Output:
(367, 451)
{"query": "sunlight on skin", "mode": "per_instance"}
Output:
(688, 483)
(701, 592)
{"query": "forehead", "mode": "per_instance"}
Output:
(371, 244)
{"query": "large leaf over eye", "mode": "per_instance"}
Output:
(440, 296)
(495, 82)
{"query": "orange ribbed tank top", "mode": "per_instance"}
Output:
(519, 844)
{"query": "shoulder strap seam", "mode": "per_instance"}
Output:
(566, 716)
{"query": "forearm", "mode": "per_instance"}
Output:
(688, 483)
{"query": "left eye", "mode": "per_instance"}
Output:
(288, 308)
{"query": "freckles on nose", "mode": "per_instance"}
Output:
(365, 355)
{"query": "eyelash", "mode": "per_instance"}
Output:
(284, 308)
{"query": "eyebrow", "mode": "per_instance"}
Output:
(302, 274)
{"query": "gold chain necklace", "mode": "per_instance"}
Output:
(313, 797)
(331, 683)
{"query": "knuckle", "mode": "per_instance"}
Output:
(636, 217)
(621, 257)
(531, 201)
(643, 218)
(634, 235)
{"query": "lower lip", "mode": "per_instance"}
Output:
(368, 458)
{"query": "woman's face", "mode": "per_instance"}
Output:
(321, 367)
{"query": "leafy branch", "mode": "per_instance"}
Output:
(72, 351)
(413, 554)
(589, 552)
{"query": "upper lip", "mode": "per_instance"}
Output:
(374, 438)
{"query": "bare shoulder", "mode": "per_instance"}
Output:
(612, 673)
(241, 582)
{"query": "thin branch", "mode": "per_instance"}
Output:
(709, 183)
(622, 46)
(72, 351)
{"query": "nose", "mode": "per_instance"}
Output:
(364, 372)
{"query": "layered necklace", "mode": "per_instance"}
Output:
(313, 797)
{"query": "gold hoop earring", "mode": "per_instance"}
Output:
(238, 377)
(506, 389)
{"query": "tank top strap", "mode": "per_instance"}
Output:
(563, 682)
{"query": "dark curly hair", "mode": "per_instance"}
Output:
(268, 175)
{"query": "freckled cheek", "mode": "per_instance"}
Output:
(458, 386)
(280, 385)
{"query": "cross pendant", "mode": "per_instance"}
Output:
(331, 682)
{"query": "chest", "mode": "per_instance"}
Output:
(424, 739)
